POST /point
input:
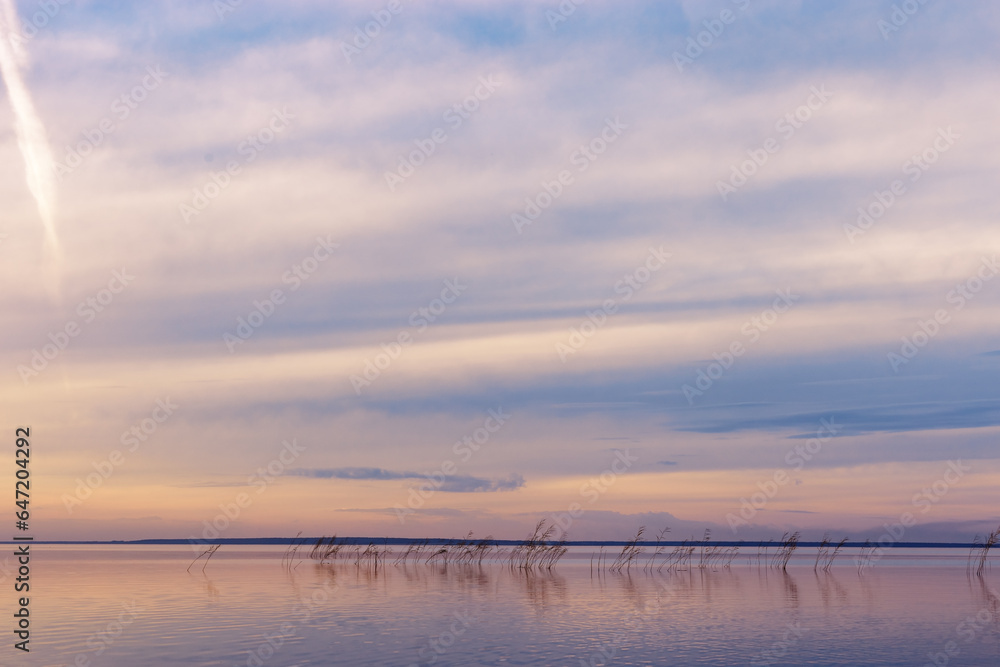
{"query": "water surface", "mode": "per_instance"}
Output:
(131, 606)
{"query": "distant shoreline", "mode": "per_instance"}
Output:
(395, 541)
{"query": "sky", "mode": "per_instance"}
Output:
(418, 269)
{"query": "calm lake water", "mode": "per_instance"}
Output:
(128, 606)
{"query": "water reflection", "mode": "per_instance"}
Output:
(893, 615)
(203, 581)
(547, 590)
(831, 591)
(541, 588)
(791, 589)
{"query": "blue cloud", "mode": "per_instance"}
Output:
(451, 484)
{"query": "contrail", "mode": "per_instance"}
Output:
(31, 139)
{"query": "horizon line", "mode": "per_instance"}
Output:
(265, 541)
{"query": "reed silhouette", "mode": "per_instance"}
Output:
(980, 552)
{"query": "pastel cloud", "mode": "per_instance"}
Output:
(656, 186)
